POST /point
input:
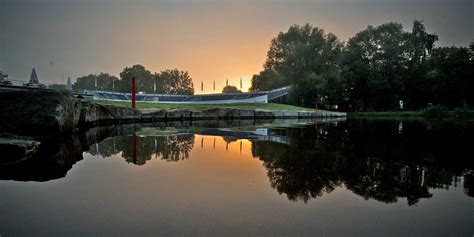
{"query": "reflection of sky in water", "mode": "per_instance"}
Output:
(223, 186)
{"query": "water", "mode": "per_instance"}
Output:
(366, 178)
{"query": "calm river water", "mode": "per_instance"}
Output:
(356, 177)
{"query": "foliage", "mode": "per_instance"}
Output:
(57, 87)
(231, 89)
(452, 76)
(105, 81)
(176, 82)
(373, 71)
(435, 112)
(300, 57)
(463, 112)
(372, 63)
(168, 81)
(144, 79)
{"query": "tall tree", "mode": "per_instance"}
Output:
(416, 79)
(302, 55)
(452, 76)
(144, 79)
(374, 62)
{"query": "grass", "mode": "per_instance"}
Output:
(430, 113)
(151, 105)
(387, 114)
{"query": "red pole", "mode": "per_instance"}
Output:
(134, 148)
(133, 92)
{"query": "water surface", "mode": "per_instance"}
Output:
(369, 178)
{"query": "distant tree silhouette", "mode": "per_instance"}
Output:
(144, 79)
(176, 82)
(231, 89)
(104, 82)
(377, 68)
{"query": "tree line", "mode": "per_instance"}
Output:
(375, 70)
(165, 82)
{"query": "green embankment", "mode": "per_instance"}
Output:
(387, 114)
(151, 105)
(435, 112)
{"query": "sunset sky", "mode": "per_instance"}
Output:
(211, 39)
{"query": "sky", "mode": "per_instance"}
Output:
(211, 39)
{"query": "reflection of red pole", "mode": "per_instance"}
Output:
(134, 148)
(133, 92)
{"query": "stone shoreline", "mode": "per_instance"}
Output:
(230, 114)
(49, 112)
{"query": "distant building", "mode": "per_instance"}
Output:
(34, 82)
(4, 78)
(34, 77)
(69, 84)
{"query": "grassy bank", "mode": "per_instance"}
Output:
(435, 112)
(387, 114)
(150, 105)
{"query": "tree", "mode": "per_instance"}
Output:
(57, 87)
(417, 83)
(374, 62)
(302, 55)
(230, 89)
(451, 76)
(144, 79)
(104, 82)
(84, 83)
(266, 80)
(176, 82)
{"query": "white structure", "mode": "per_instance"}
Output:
(69, 84)
(4, 79)
(34, 82)
(246, 97)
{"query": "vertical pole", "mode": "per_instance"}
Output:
(133, 92)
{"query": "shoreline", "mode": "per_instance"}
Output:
(465, 114)
(48, 112)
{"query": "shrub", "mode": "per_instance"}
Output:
(436, 112)
(463, 112)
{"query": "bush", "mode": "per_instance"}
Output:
(436, 112)
(463, 112)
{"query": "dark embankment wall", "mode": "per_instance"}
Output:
(38, 112)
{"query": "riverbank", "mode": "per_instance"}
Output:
(151, 105)
(44, 112)
(430, 113)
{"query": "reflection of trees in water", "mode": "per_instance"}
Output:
(170, 148)
(469, 184)
(177, 148)
(305, 169)
(387, 181)
(292, 172)
(372, 160)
